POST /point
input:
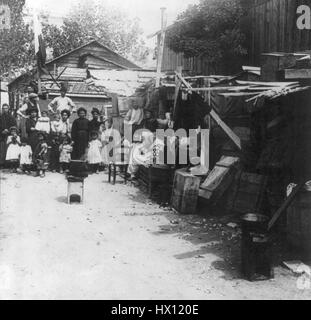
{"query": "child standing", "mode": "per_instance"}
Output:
(26, 156)
(41, 155)
(54, 151)
(13, 151)
(43, 123)
(65, 154)
(94, 153)
(55, 124)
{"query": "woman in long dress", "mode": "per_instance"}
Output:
(80, 135)
(6, 122)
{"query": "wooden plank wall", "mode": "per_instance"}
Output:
(274, 28)
(271, 27)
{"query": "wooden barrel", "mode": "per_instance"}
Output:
(299, 221)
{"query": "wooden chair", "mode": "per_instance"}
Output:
(122, 156)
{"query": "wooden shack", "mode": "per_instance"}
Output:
(74, 69)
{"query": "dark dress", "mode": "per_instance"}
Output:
(6, 122)
(32, 135)
(80, 137)
(94, 125)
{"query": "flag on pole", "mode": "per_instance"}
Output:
(40, 48)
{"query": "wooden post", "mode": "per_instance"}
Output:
(161, 46)
(205, 154)
(216, 118)
(177, 89)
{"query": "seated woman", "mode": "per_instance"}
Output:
(146, 153)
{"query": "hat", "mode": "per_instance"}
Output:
(95, 110)
(32, 96)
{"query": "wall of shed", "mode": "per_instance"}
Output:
(274, 29)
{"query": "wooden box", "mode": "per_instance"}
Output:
(185, 192)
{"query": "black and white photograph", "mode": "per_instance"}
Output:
(155, 150)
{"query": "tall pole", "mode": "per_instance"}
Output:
(161, 46)
(37, 32)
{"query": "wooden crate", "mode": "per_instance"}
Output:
(185, 192)
(219, 180)
(249, 193)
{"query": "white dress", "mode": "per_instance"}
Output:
(94, 152)
(43, 124)
(13, 151)
(111, 139)
(26, 155)
(65, 153)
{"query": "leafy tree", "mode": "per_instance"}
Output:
(16, 43)
(211, 29)
(95, 20)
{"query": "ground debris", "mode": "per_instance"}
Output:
(297, 266)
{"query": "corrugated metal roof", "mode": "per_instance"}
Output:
(121, 82)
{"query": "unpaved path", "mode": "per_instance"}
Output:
(117, 245)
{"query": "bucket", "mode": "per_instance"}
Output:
(255, 246)
(253, 222)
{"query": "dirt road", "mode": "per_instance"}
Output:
(117, 245)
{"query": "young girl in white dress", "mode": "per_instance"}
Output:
(26, 156)
(65, 155)
(94, 153)
(44, 123)
(13, 151)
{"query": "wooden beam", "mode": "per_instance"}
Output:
(215, 116)
(285, 205)
(218, 88)
(297, 73)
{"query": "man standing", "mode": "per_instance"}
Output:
(62, 103)
(6, 122)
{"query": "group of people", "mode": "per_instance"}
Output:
(46, 140)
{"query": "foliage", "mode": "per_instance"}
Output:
(16, 44)
(211, 29)
(95, 20)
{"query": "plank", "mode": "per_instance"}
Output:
(297, 73)
(284, 206)
(267, 84)
(236, 140)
